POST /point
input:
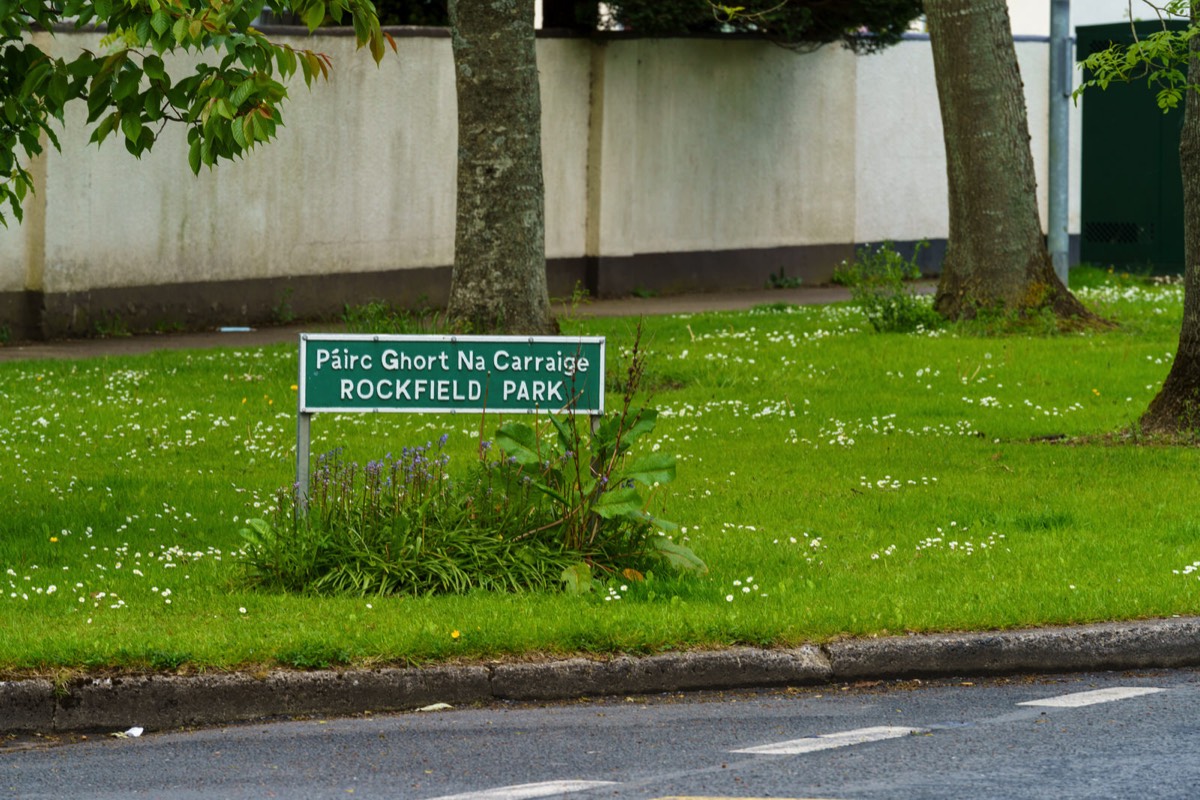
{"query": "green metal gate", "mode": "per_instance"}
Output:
(1132, 192)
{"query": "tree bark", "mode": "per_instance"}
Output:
(996, 257)
(499, 278)
(1176, 408)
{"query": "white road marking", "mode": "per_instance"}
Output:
(828, 741)
(527, 790)
(1080, 699)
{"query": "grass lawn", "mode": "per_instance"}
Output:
(835, 480)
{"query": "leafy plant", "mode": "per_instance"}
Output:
(314, 654)
(378, 316)
(579, 297)
(282, 312)
(111, 325)
(594, 487)
(877, 281)
(167, 660)
(783, 281)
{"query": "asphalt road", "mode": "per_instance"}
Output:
(942, 739)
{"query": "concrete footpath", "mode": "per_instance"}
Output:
(614, 307)
(158, 702)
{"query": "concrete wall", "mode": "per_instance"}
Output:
(1032, 17)
(669, 165)
(730, 148)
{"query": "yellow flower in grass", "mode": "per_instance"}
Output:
(455, 634)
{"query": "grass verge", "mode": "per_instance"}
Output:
(835, 480)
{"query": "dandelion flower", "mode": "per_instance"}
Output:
(455, 634)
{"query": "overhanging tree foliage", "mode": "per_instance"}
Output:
(1169, 61)
(129, 90)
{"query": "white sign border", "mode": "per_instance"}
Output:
(304, 408)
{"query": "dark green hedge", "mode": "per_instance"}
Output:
(863, 25)
(794, 22)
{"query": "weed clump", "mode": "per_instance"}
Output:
(879, 285)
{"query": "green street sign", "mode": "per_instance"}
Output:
(451, 374)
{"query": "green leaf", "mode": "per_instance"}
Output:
(640, 423)
(623, 502)
(519, 441)
(243, 91)
(131, 126)
(285, 57)
(33, 79)
(194, 156)
(678, 556)
(127, 84)
(552, 492)
(314, 15)
(577, 578)
(238, 129)
(376, 44)
(105, 127)
(152, 105)
(651, 469)
(258, 534)
(154, 68)
(567, 435)
(262, 131)
(161, 21)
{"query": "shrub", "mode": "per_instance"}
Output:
(380, 317)
(877, 282)
(403, 527)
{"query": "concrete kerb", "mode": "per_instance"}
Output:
(161, 702)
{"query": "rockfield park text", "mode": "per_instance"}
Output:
(446, 377)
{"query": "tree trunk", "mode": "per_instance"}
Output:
(1176, 409)
(499, 278)
(996, 257)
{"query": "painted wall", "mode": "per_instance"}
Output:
(1032, 17)
(712, 145)
(669, 164)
